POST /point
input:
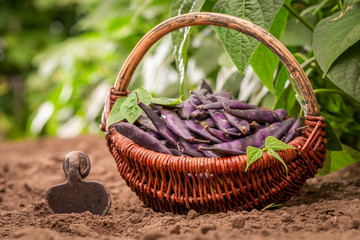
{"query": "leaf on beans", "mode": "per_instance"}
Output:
(253, 154)
(129, 107)
(275, 144)
(166, 101)
(115, 114)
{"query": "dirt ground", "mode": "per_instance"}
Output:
(327, 207)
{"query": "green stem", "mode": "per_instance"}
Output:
(339, 3)
(298, 16)
(301, 112)
(298, 94)
(343, 94)
(326, 90)
(278, 68)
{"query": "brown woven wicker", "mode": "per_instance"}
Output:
(178, 184)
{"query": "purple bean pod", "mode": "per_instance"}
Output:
(154, 134)
(197, 128)
(259, 115)
(293, 131)
(219, 119)
(176, 152)
(282, 113)
(205, 85)
(222, 151)
(177, 125)
(223, 94)
(201, 96)
(146, 122)
(187, 107)
(160, 125)
(253, 140)
(189, 149)
(219, 134)
(207, 122)
(140, 137)
(232, 131)
(201, 147)
(280, 130)
(199, 114)
(242, 125)
(233, 104)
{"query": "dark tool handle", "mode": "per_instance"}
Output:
(222, 20)
(81, 161)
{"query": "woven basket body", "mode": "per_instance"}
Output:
(178, 184)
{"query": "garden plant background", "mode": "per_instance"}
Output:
(59, 58)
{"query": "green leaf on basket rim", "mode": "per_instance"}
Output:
(275, 144)
(115, 114)
(253, 154)
(272, 144)
(166, 101)
(129, 107)
(274, 154)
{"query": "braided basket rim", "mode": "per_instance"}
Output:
(262, 163)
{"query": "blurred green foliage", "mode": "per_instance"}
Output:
(59, 58)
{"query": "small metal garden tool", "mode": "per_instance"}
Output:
(77, 195)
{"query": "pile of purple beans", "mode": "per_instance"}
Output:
(208, 124)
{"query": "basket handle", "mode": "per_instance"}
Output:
(222, 20)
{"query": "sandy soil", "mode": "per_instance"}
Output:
(327, 207)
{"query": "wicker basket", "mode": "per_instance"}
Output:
(163, 181)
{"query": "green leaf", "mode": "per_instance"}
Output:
(271, 206)
(348, 3)
(296, 33)
(327, 164)
(333, 141)
(274, 154)
(180, 37)
(336, 160)
(115, 113)
(340, 159)
(286, 96)
(275, 144)
(313, 9)
(264, 61)
(129, 107)
(345, 72)
(166, 101)
(354, 153)
(280, 82)
(253, 154)
(287, 100)
(239, 46)
(334, 34)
